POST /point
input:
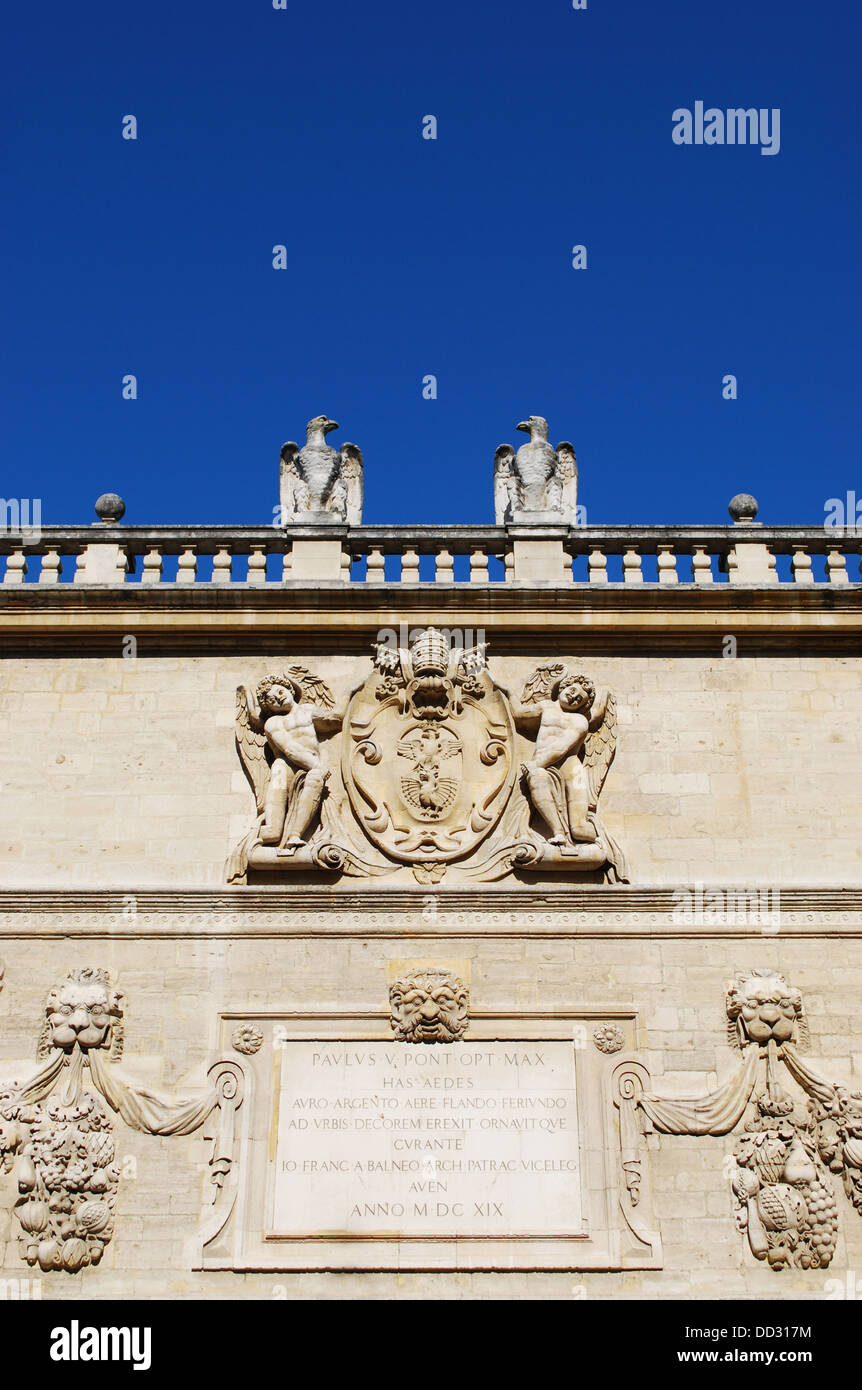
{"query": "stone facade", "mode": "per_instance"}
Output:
(737, 771)
(733, 793)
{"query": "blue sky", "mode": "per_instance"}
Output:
(406, 256)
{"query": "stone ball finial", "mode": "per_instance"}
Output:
(110, 509)
(743, 507)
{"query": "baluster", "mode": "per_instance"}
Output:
(257, 565)
(375, 569)
(478, 567)
(667, 565)
(222, 567)
(152, 567)
(701, 566)
(801, 566)
(598, 566)
(632, 567)
(287, 564)
(836, 568)
(444, 570)
(410, 567)
(509, 566)
(568, 577)
(50, 571)
(187, 566)
(346, 563)
(16, 568)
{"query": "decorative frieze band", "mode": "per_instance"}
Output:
(620, 911)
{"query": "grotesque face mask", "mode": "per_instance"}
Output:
(429, 1006)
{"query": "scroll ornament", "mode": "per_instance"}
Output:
(782, 1185)
(56, 1136)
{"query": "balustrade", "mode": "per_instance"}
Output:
(476, 555)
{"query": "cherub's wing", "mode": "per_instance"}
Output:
(316, 691)
(251, 744)
(353, 473)
(540, 684)
(599, 748)
(503, 460)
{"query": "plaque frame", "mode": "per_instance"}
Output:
(614, 1235)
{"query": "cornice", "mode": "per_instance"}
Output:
(241, 612)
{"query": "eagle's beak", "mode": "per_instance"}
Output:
(332, 425)
(524, 425)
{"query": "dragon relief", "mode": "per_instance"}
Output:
(428, 771)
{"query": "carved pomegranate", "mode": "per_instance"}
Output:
(93, 1217)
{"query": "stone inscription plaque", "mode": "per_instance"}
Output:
(443, 1140)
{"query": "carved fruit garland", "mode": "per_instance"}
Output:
(67, 1180)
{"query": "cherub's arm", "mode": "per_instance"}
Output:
(598, 714)
(526, 717)
(327, 721)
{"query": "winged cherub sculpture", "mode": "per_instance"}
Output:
(575, 746)
(277, 725)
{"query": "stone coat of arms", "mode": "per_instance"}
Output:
(425, 767)
(428, 754)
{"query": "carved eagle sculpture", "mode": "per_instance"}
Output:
(538, 478)
(318, 478)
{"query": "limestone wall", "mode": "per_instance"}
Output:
(175, 987)
(124, 772)
(120, 776)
